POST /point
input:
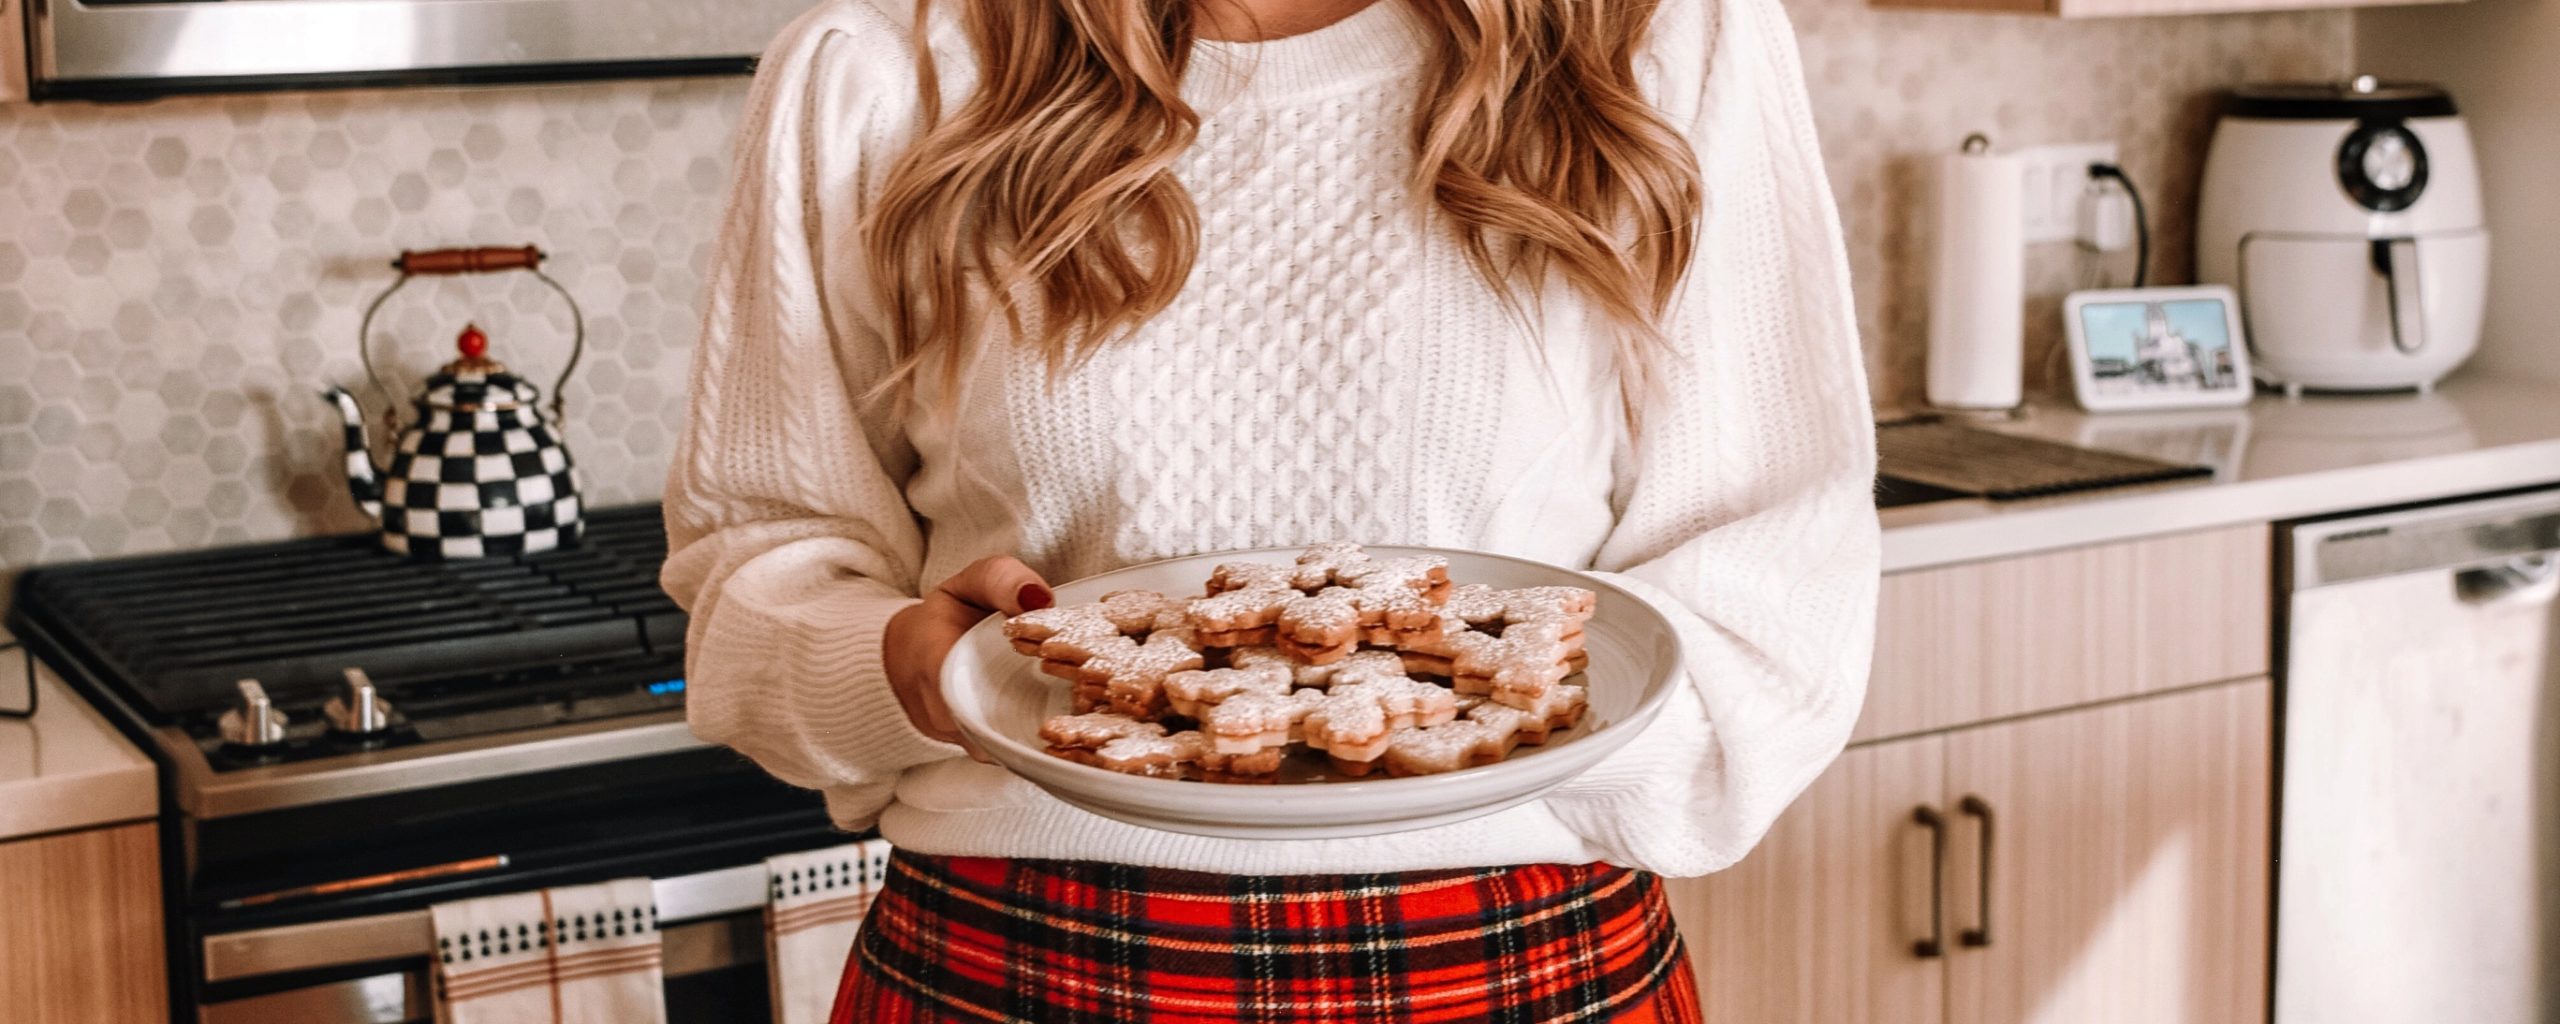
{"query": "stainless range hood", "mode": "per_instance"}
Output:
(126, 49)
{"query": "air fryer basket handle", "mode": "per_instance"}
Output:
(2396, 259)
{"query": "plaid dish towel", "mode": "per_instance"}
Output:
(586, 954)
(815, 904)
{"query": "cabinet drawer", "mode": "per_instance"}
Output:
(1970, 643)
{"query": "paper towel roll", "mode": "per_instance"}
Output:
(1977, 284)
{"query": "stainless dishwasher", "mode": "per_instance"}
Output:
(2418, 860)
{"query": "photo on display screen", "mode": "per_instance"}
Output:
(2153, 348)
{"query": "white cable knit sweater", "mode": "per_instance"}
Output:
(1333, 370)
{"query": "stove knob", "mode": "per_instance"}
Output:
(358, 711)
(255, 723)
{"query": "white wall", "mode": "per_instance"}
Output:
(2501, 61)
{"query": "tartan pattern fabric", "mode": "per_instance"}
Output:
(1072, 942)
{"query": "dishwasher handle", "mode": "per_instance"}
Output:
(2526, 579)
(2495, 547)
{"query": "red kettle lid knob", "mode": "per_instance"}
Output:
(473, 343)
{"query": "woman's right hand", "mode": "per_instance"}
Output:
(919, 638)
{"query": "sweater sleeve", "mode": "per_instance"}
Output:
(791, 541)
(1744, 501)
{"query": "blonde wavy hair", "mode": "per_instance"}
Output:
(1050, 190)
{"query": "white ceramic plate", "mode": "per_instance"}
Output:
(1000, 698)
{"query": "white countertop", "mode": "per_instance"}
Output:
(2274, 459)
(66, 768)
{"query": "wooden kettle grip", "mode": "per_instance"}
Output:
(468, 261)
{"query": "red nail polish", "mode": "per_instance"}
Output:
(1033, 597)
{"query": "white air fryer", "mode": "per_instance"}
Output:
(2347, 216)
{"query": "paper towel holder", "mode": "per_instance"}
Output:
(1976, 329)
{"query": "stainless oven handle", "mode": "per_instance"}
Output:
(206, 793)
(411, 933)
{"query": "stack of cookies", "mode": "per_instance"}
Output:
(1366, 662)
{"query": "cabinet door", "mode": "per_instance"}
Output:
(2128, 876)
(1817, 925)
(81, 940)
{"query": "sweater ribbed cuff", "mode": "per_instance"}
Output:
(872, 726)
(793, 678)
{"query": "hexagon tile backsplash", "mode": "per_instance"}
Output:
(179, 279)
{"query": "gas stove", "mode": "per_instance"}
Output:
(279, 675)
(348, 736)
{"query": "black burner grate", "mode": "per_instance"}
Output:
(175, 632)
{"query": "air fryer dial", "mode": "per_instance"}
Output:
(2382, 166)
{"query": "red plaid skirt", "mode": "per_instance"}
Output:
(973, 939)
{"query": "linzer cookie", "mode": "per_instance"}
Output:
(1465, 743)
(1362, 662)
(1517, 668)
(1194, 692)
(1250, 723)
(1486, 733)
(1300, 673)
(1243, 606)
(1352, 724)
(1032, 632)
(1132, 674)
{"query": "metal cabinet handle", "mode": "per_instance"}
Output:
(1936, 943)
(1980, 934)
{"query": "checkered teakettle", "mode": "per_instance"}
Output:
(478, 471)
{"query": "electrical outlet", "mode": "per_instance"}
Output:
(2054, 178)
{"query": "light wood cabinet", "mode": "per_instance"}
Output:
(2127, 876)
(81, 938)
(1970, 643)
(2130, 8)
(1817, 924)
(2129, 868)
(13, 51)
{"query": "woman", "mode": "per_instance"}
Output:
(1085, 283)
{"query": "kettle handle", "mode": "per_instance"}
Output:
(481, 260)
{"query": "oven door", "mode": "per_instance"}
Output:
(374, 969)
(318, 914)
(136, 48)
